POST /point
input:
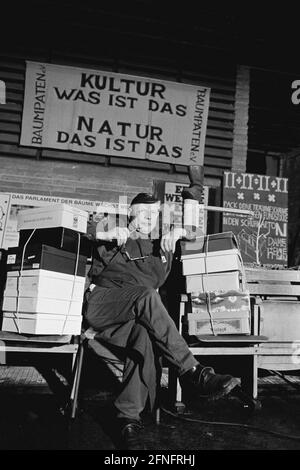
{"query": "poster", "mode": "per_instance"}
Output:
(263, 236)
(4, 212)
(169, 193)
(20, 201)
(99, 112)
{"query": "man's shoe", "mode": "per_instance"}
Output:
(131, 434)
(207, 384)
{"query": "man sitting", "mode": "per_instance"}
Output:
(125, 308)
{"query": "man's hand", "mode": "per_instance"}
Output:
(169, 240)
(121, 234)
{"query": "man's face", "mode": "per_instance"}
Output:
(144, 217)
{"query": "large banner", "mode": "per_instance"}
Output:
(105, 113)
(263, 237)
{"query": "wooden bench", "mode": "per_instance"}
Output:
(246, 347)
(276, 307)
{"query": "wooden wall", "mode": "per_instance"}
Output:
(126, 44)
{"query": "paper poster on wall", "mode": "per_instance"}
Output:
(263, 237)
(117, 115)
(19, 201)
(169, 193)
(4, 213)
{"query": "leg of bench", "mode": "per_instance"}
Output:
(76, 381)
(249, 379)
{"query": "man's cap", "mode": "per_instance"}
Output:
(144, 198)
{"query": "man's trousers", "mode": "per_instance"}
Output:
(135, 318)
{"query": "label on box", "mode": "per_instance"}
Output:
(58, 215)
(231, 304)
(228, 326)
(11, 259)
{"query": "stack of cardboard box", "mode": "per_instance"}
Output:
(46, 272)
(218, 302)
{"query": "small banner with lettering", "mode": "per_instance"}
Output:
(115, 115)
(12, 203)
(262, 237)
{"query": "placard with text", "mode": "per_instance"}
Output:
(116, 115)
(262, 236)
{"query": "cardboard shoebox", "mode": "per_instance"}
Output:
(54, 215)
(212, 262)
(229, 304)
(58, 237)
(42, 305)
(197, 325)
(203, 244)
(224, 281)
(41, 324)
(46, 257)
(42, 283)
(219, 313)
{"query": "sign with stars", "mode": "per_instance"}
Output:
(263, 237)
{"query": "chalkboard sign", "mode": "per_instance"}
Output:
(262, 237)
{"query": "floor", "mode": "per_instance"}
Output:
(30, 418)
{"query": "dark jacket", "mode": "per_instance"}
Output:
(113, 265)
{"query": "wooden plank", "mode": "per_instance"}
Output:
(11, 85)
(65, 349)
(9, 76)
(8, 116)
(11, 127)
(11, 65)
(272, 274)
(9, 138)
(14, 97)
(219, 133)
(7, 150)
(276, 363)
(213, 172)
(273, 289)
(217, 152)
(220, 115)
(15, 107)
(225, 97)
(245, 339)
(218, 162)
(219, 124)
(267, 350)
(224, 106)
(221, 351)
(218, 143)
(76, 156)
(48, 339)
